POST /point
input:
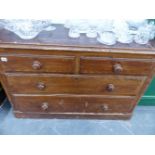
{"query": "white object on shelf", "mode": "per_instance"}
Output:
(107, 38)
(28, 29)
(104, 31)
(125, 31)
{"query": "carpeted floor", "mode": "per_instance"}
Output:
(142, 122)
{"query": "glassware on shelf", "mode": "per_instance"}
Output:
(120, 26)
(145, 33)
(104, 31)
(142, 36)
(125, 38)
(110, 31)
(104, 25)
(107, 38)
(122, 31)
(151, 27)
(77, 27)
(91, 32)
(74, 33)
(137, 22)
(28, 29)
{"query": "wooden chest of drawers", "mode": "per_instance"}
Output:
(74, 80)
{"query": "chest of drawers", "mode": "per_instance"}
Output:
(74, 80)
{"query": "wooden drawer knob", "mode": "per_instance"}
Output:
(110, 87)
(104, 107)
(118, 68)
(41, 86)
(36, 65)
(44, 106)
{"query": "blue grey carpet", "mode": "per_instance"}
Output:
(142, 122)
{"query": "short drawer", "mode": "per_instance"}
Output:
(118, 66)
(74, 84)
(73, 104)
(53, 64)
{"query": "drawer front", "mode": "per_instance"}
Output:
(99, 65)
(74, 84)
(73, 104)
(53, 64)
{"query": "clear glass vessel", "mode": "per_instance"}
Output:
(74, 33)
(107, 38)
(28, 29)
(124, 37)
(110, 31)
(104, 31)
(142, 36)
(145, 33)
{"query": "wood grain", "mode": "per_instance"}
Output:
(73, 104)
(111, 116)
(74, 84)
(103, 65)
(51, 64)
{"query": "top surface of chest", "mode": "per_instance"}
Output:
(59, 40)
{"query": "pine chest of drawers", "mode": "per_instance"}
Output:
(64, 78)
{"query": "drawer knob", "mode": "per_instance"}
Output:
(104, 107)
(36, 65)
(41, 86)
(118, 68)
(110, 87)
(44, 106)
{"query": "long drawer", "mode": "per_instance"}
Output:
(74, 84)
(118, 66)
(73, 104)
(35, 63)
